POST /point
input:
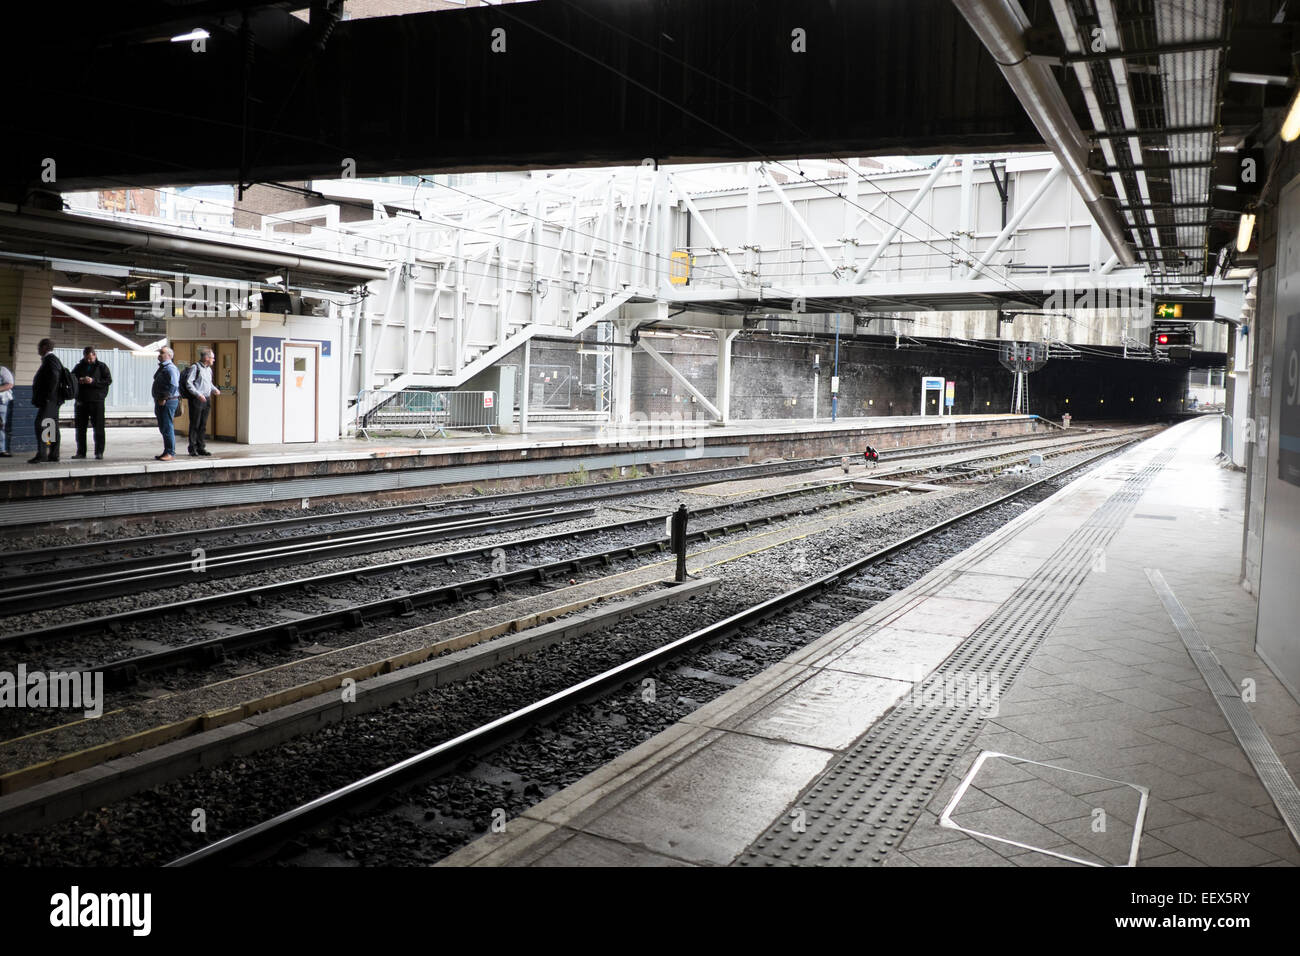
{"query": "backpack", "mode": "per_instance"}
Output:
(188, 381)
(67, 384)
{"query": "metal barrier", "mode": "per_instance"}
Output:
(132, 386)
(378, 410)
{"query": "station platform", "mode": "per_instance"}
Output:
(1078, 689)
(129, 481)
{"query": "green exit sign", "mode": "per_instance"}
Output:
(1184, 307)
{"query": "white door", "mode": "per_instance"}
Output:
(299, 374)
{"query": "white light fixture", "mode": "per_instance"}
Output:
(1246, 227)
(195, 34)
(1291, 125)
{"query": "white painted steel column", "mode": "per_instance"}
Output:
(622, 361)
(725, 339)
(525, 387)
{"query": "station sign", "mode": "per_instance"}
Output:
(1186, 308)
(950, 392)
(268, 353)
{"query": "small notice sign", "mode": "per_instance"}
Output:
(488, 399)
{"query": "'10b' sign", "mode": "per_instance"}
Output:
(267, 353)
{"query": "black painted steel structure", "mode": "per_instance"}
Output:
(553, 83)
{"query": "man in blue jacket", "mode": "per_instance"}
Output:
(166, 398)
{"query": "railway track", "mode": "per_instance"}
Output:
(51, 559)
(257, 842)
(212, 650)
(56, 587)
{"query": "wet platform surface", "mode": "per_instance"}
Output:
(1031, 702)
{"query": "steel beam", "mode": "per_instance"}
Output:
(681, 379)
(1069, 59)
(898, 224)
(1001, 25)
(1014, 222)
(714, 242)
(799, 220)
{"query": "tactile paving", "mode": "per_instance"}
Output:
(860, 809)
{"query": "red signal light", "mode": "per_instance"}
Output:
(1162, 339)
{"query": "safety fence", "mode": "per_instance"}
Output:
(131, 390)
(425, 413)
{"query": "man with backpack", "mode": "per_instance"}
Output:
(166, 399)
(197, 385)
(93, 379)
(52, 386)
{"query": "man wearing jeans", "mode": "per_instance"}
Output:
(166, 398)
(198, 390)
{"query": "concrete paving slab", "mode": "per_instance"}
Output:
(978, 586)
(583, 849)
(894, 654)
(713, 804)
(827, 710)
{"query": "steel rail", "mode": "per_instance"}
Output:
(43, 593)
(256, 595)
(255, 841)
(622, 488)
(212, 650)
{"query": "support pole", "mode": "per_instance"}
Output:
(723, 394)
(835, 375)
(525, 386)
(622, 377)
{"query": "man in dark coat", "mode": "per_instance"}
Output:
(93, 379)
(45, 396)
